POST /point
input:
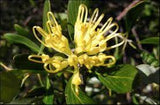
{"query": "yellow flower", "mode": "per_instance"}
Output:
(51, 65)
(76, 80)
(54, 38)
(90, 41)
(98, 60)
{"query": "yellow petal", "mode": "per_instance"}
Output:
(76, 80)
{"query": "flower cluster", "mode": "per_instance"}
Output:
(90, 44)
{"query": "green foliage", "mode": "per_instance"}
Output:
(29, 83)
(15, 38)
(151, 40)
(73, 98)
(22, 31)
(10, 86)
(46, 8)
(48, 99)
(149, 59)
(120, 80)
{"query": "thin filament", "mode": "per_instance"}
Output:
(51, 17)
(94, 16)
(41, 32)
(31, 58)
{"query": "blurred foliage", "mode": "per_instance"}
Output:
(133, 80)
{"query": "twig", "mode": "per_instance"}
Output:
(40, 80)
(5, 67)
(137, 38)
(124, 12)
(27, 20)
(128, 96)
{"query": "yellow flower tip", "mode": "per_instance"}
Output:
(76, 80)
(94, 16)
(38, 58)
(82, 13)
(52, 18)
(77, 89)
(41, 32)
(111, 62)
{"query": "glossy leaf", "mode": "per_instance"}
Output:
(15, 38)
(21, 62)
(22, 31)
(150, 40)
(10, 83)
(46, 9)
(73, 98)
(48, 99)
(149, 58)
(73, 6)
(9, 86)
(133, 14)
(22, 101)
(120, 80)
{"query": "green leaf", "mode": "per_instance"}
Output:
(120, 80)
(135, 100)
(22, 31)
(73, 98)
(26, 101)
(46, 9)
(149, 58)
(73, 6)
(22, 101)
(48, 85)
(21, 62)
(9, 87)
(150, 40)
(10, 83)
(48, 99)
(133, 14)
(15, 38)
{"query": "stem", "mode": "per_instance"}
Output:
(5, 67)
(137, 38)
(41, 49)
(24, 79)
(124, 12)
(116, 53)
(128, 96)
(40, 80)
